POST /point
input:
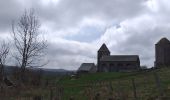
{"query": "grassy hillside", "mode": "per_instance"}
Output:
(147, 85)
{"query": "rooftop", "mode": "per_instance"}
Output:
(86, 66)
(163, 41)
(120, 58)
(103, 48)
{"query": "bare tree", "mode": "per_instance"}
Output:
(4, 50)
(30, 46)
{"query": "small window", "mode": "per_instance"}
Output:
(120, 64)
(128, 64)
(111, 65)
(103, 64)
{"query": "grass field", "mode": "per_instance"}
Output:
(141, 85)
(148, 85)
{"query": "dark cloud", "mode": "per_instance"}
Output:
(77, 28)
(9, 10)
(137, 36)
(69, 13)
(69, 54)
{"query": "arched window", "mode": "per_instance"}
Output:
(111, 67)
(120, 64)
(105, 67)
(128, 66)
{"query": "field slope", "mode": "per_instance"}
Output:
(141, 85)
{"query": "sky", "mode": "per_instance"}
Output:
(75, 29)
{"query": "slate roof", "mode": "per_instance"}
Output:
(120, 58)
(86, 66)
(163, 41)
(103, 48)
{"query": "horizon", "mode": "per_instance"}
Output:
(75, 30)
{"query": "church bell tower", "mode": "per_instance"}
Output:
(103, 51)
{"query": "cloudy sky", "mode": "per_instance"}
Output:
(75, 29)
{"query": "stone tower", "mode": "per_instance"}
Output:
(162, 53)
(103, 51)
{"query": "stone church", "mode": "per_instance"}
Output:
(162, 53)
(111, 63)
(115, 63)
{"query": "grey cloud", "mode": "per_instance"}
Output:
(9, 10)
(69, 55)
(68, 62)
(141, 40)
(69, 13)
(140, 36)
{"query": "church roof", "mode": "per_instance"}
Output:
(86, 66)
(120, 58)
(163, 41)
(103, 48)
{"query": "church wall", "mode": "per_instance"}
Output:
(162, 55)
(118, 66)
(167, 55)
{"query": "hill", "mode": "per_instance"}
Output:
(45, 71)
(142, 85)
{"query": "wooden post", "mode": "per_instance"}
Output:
(59, 92)
(71, 98)
(134, 88)
(37, 98)
(119, 90)
(97, 96)
(51, 94)
(158, 84)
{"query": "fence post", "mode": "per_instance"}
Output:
(71, 98)
(97, 96)
(120, 90)
(158, 84)
(51, 94)
(37, 98)
(134, 88)
(59, 92)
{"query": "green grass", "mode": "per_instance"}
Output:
(146, 86)
(114, 84)
(88, 78)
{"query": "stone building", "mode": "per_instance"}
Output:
(87, 68)
(162, 53)
(115, 63)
